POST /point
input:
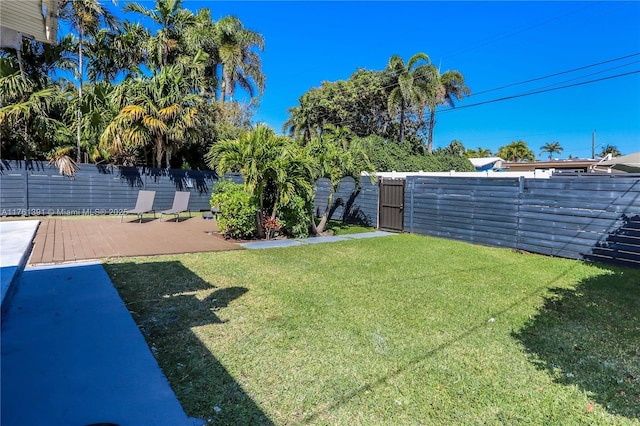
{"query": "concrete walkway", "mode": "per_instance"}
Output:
(16, 239)
(313, 240)
(71, 353)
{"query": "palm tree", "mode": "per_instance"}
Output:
(32, 99)
(444, 89)
(240, 64)
(36, 113)
(163, 48)
(478, 153)
(410, 86)
(98, 110)
(455, 148)
(273, 167)
(158, 110)
(85, 17)
(113, 52)
(335, 162)
(202, 37)
(303, 120)
(610, 149)
(516, 151)
(551, 148)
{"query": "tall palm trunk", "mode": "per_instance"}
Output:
(23, 76)
(80, 82)
(223, 85)
(401, 136)
(432, 123)
(158, 151)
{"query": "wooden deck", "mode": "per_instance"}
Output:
(60, 240)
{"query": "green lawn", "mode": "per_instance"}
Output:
(394, 330)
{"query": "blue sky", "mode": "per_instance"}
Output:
(493, 44)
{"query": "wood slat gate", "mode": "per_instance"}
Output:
(391, 209)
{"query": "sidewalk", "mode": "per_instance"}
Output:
(71, 352)
(312, 240)
(15, 245)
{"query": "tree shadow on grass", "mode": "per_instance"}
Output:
(167, 301)
(590, 338)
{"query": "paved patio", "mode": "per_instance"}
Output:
(62, 240)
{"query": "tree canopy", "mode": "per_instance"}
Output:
(141, 97)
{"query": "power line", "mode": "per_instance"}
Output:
(540, 91)
(590, 74)
(556, 74)
(512, 33)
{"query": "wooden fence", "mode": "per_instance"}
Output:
(351, 203)
(585, 216)
(590, 217)
(34, 188)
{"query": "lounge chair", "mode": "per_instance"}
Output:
(180, 204)
(144, 204)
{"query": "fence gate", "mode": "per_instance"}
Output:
(391, 207)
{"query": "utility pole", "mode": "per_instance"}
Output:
(593, 144)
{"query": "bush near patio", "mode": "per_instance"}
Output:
(237, 217)
(396, 330)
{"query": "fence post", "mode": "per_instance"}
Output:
(409, 184)
(26, 190)
(518, 206)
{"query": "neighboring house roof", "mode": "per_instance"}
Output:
(482, 162)
(627, 163)
(580, 164)
(34, 19)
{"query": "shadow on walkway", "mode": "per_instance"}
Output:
(590, 337)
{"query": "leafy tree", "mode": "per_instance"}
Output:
(455, 148)
(610, 149)
(387, 155)
(445, 88)
(98, 110)
(551, 148)
(516, 151)
(410, 86)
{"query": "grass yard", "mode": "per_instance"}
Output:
(394, 330)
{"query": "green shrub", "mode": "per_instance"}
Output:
(387, 155)
(238, 210)
(295, 216)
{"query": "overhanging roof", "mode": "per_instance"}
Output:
(35, 19)
(627, 163)
(574, 164)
